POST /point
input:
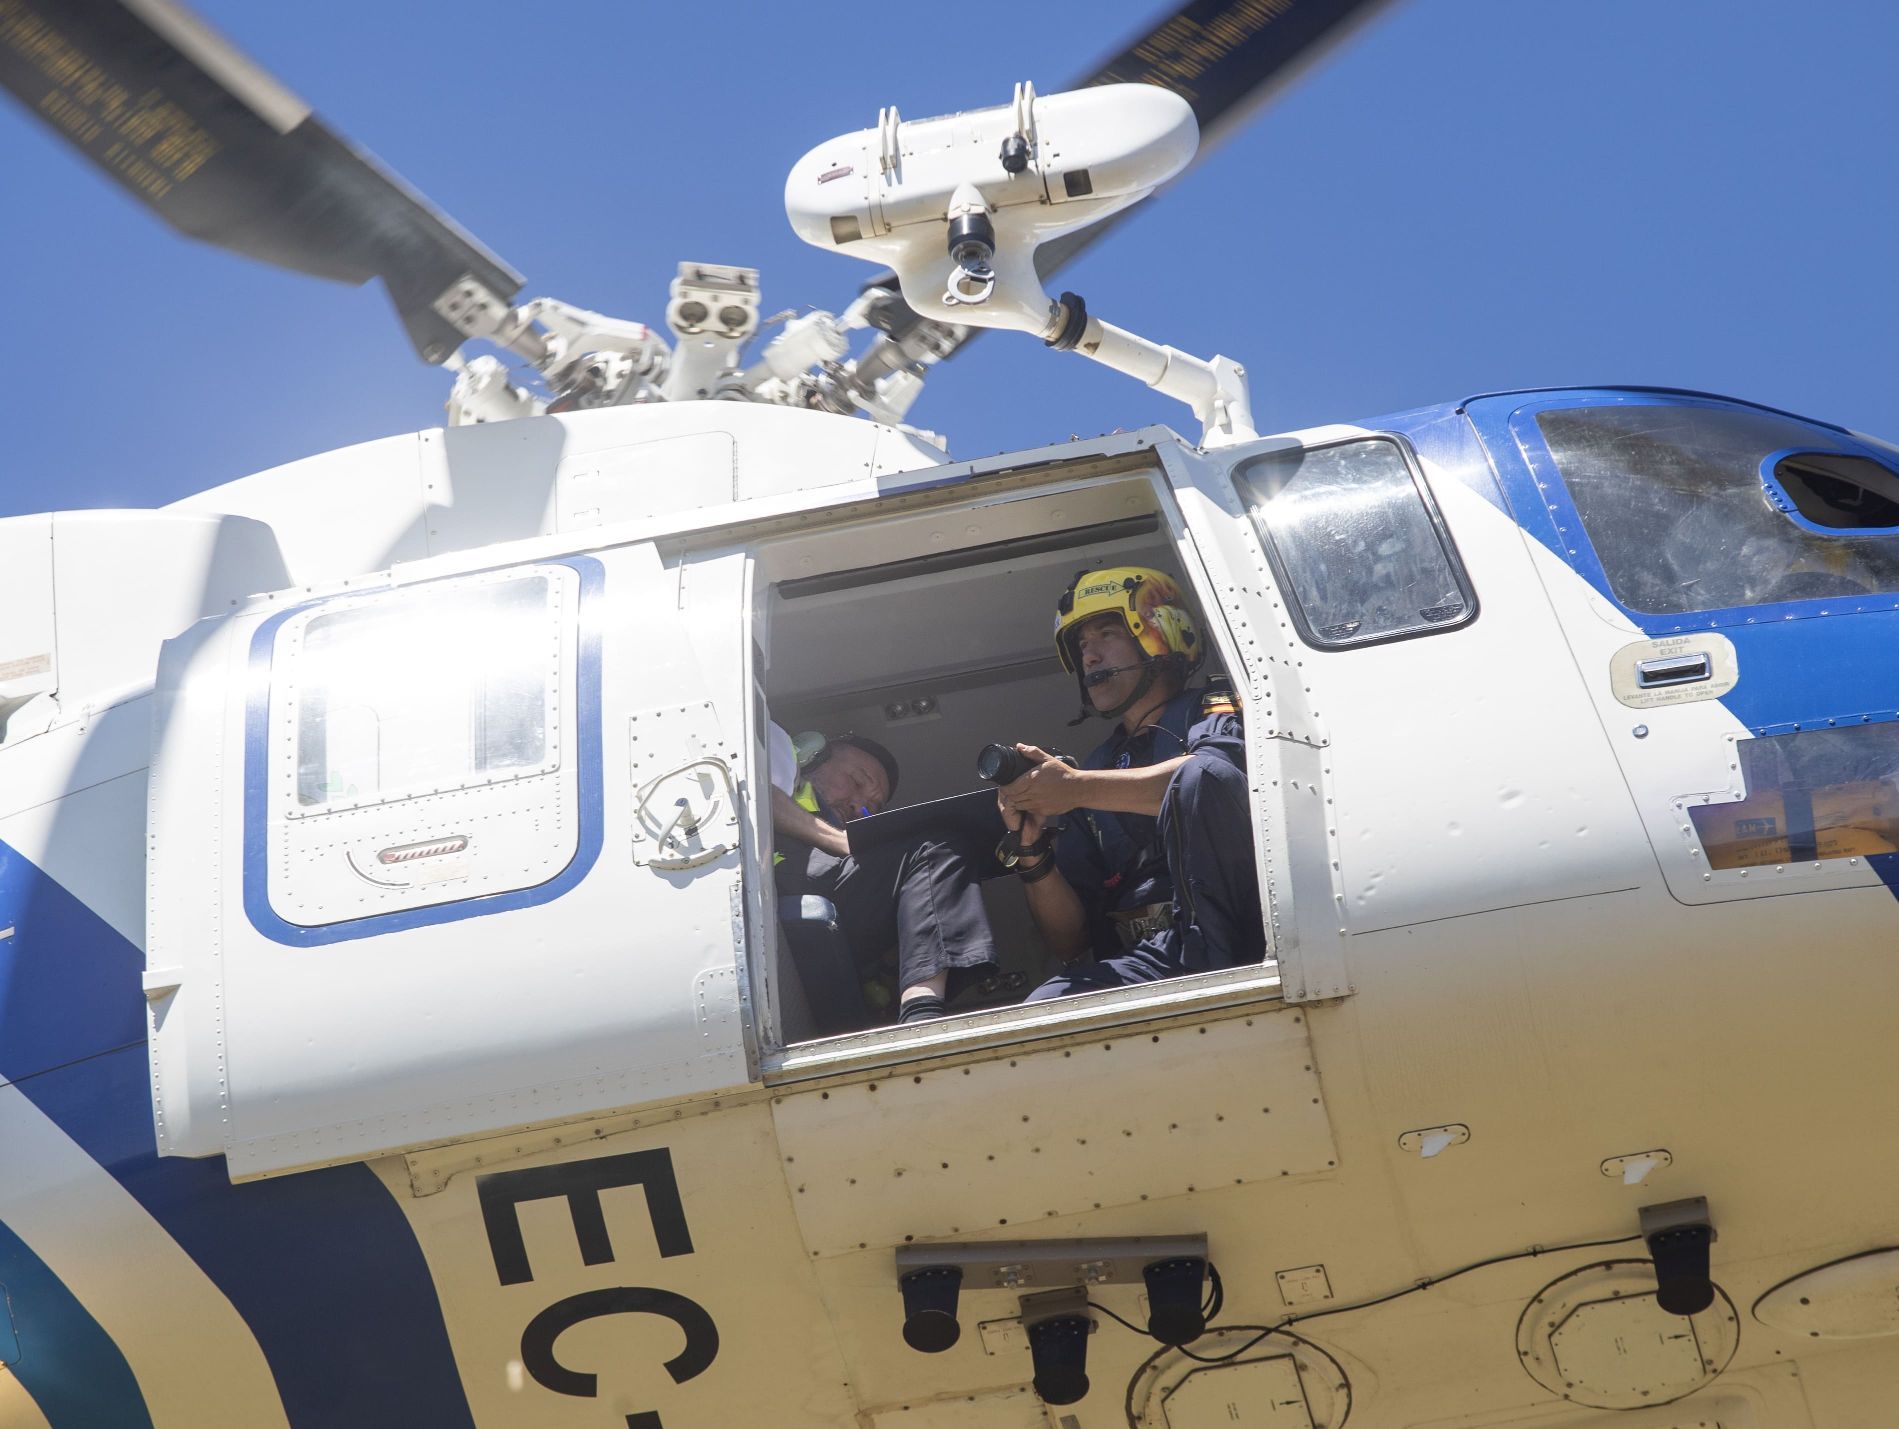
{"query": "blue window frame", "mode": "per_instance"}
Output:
(1832, 493)
(508, 736)
(1670, 517)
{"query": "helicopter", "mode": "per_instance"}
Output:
(495, 1095)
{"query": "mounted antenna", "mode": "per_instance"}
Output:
(984, 190)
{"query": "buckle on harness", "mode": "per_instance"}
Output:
(1132, 925)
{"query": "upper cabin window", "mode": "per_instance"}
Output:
(1817, 794)
(446, 689)
(1696, 508)
(1357, 542)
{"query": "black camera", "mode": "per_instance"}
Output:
(1001, 764)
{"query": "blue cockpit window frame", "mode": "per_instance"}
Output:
(590, 818)
(1546, 511)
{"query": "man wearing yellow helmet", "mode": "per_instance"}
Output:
(1151, 874)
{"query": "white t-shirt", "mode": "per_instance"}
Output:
(784, 760)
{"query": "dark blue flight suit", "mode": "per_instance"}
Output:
(1197, 856)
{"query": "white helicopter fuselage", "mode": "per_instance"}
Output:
(368, 1062)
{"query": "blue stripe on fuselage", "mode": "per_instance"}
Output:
(67, 1362)
(1813, 671)
(65, 993)
(321, 1265)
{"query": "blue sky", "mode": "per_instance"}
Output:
(1468, 195)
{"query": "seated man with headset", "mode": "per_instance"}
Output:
(921, 897)
(1152, 873)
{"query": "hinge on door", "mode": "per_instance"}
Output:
(685, 805)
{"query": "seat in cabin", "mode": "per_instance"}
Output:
(822, 956)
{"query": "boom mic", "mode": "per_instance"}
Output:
(1105, 674)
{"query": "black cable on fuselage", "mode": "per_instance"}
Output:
(1216, 1299)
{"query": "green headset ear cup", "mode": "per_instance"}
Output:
(811, 748)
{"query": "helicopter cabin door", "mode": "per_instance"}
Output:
(1337, 574)
(441, 857)
(1285, 741)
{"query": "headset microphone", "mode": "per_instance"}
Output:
(1105, 674)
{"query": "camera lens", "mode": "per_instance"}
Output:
(1000, 764)
(972, 236)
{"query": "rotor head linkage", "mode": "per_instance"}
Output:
(1215, 390)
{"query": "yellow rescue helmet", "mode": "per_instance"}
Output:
(1148, 601)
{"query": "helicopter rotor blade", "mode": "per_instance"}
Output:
(1226, 58)
(214, 145)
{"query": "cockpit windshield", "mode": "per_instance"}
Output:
(1694, 508)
